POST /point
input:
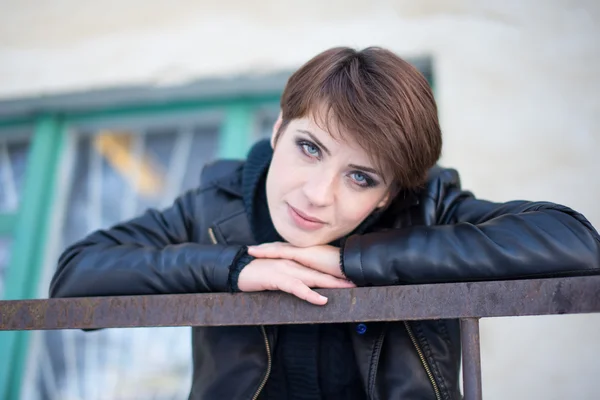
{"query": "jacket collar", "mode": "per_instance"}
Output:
(231, 185)
(234, 228)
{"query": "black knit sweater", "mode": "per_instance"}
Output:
(309, 361)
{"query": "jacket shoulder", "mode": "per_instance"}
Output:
(440, 184)
(440, 178)
(440, 192)
(218, 195)
(216, 171)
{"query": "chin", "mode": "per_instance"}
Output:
(302, 239)
(299, 238)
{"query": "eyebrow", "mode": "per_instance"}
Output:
(365, 169)
(326, 150)
(317, 141)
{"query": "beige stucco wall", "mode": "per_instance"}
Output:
(517, 83)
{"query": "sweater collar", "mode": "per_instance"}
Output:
(254, 178)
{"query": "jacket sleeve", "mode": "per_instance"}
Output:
(477, 240)
(151, 254)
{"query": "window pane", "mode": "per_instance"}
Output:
(265, 119)
(13, 161)
(5, 243)
(118, 175)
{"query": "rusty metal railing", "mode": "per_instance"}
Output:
(466, 301)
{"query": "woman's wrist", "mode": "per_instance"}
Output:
(342, 258)
(241, 260)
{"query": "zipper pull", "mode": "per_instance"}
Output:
(212, 236)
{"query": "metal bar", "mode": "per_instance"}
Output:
(469, 335)
(436, 301)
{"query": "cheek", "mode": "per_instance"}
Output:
(353, 210)
(282, 177)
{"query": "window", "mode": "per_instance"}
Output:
(13, 160)
(5, 243)
(120, 168)
(14, 150)
(118, 173)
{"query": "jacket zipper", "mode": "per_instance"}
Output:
(213, 239)
(423, 360)
(264, 381)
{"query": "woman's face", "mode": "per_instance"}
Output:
(320, 187)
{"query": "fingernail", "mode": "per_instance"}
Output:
(323, 298)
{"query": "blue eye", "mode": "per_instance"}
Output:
(310, 149)
(362, 179)
(358, 177)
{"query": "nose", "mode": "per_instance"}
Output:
(320, 189)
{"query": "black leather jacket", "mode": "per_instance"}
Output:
(439, 234)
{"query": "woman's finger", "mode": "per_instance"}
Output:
(325, 281)
(313, 278)
(273, 250)
(296, 287)
(320, 258)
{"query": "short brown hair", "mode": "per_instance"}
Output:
(384, 103)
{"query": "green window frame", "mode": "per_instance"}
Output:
(30, 226)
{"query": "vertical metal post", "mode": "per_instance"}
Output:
(469, 334)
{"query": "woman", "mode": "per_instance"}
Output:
(345, 194)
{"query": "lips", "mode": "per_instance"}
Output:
(304, 221)
(306, 217)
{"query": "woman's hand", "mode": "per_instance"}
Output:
(288, 276)
(325, 258)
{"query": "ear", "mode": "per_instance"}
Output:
(276, 127)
